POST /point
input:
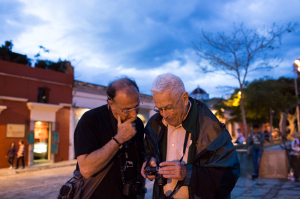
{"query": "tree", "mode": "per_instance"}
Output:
(263, 95)
(242, 51)
(7, 54)
(60, 66)
(278, 95)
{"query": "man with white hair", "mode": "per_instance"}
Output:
(190, 145)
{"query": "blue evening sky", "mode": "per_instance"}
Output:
(105, 39)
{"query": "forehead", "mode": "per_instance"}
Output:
(127, 98)
(163, 99)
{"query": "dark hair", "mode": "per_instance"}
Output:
(119, 84)
(21, 141)
(255, 126)
(12, 143)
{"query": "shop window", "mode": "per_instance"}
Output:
(43, 95)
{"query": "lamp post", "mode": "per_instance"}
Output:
(297, 68)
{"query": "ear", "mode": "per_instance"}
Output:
(111, 104)
(186, 98)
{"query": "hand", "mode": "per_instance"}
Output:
(173, 170)
(126, 130)
(152, 163)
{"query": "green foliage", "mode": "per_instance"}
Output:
(59, 66)
(7, 54)
(261, 95)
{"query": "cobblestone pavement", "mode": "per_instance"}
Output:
(45, 184)
(266, 188)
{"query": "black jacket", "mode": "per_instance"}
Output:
(213, 166)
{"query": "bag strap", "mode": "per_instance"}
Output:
(92, 183)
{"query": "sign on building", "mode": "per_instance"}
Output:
(15, 131)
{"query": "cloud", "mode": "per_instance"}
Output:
(104, 39)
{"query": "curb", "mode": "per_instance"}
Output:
(6, 172)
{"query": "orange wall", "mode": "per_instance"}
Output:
(28, 88)
(16, 113)
(62, 127)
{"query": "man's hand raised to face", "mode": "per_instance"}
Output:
(126, 130)
(173, 170)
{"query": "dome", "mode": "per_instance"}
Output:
(199, 94)
(198, 90)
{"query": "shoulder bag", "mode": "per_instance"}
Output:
(79, 187)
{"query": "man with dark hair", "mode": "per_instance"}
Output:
(256, 138)
(113, 135)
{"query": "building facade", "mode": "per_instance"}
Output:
(35, 106)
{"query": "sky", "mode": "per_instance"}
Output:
(106, 39)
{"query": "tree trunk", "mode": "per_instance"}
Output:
(291, 118)
(271, 125)
(243, 113)
(282, 123)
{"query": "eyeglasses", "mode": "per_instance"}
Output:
(127, 111)
(167, 109)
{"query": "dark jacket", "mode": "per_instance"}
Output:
(11, 151)
(213, 166)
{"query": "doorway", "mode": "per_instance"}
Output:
(41, 148)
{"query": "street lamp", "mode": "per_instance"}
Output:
(297, 68)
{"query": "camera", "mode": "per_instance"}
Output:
(159, 179)
(133, 188)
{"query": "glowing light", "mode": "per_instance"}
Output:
(40, 147)
(297, 62)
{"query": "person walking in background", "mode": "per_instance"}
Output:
(240, 139)
(256, 139)
(20, 154)
(11, 153)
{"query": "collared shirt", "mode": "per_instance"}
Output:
(176, 138)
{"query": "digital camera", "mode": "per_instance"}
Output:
(159, 179)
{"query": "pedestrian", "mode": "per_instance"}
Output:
(256, 139)
(240, 139)
(190, 145)
(20, 154)
(112, 134)
(11, 153)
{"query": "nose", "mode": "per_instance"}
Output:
(134, 113)
(164, 114)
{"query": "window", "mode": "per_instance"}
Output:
(43, 95)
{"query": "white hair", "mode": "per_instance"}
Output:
(167, 82)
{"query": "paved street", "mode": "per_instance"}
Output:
(45, 184)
